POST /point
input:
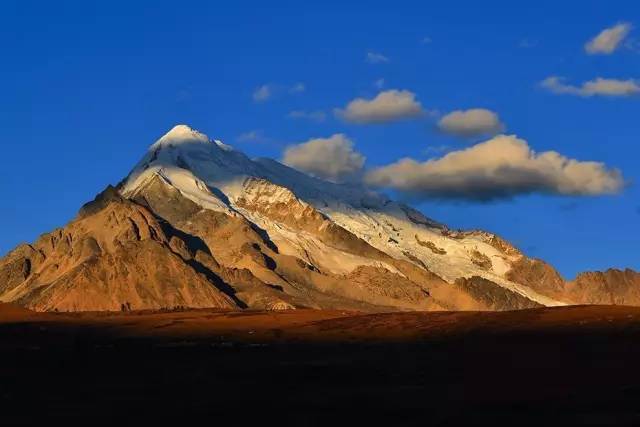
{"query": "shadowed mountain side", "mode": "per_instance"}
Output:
(108, 258)
(493, 296)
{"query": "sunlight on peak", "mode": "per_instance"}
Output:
(181, 134)
(185, 134)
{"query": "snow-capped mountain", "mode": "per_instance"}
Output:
(197, 223)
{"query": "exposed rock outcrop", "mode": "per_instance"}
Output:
(111, 255)
(613, 286)
(537, 275)
(493, 296)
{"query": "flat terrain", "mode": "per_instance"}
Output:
(572, 365)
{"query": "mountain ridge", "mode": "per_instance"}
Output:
(263, 235)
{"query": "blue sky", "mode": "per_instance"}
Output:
(85, 88)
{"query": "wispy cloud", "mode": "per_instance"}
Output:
(597, 87)
(315, 116)
(297, 88)
(269, 90)
(376, 58)
(255, 135)
(426, 40)
(608, 40)
(379, 83)
(262, 93)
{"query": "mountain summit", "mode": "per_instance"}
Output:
(199, 224)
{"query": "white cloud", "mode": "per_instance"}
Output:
(473, 122)
(269, 90)
(376, 58)
(608, 40)
(330, 158)
(315, 116)
(262, 93)
(379, 83)
(387, 106)
(501, 167)
(599, 86)
(426, 40)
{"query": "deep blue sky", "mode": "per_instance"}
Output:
(85, 87)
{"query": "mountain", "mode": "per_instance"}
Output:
(197, 223)
(613, 286)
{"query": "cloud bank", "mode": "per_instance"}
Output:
(608, 40)
(469, 123)
(499, 168)
(330, 158)
(597, 87)
(388, 106)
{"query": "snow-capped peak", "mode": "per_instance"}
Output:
(182, 134)
(192, 163)
(216, 177)
(185, 134)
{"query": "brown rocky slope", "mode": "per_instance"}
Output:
(115, 255)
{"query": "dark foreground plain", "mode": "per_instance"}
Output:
(564, 366)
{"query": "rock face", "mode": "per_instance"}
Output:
(537, 275)
(115, 256)
(493, 296)
(620, 287)
(199, 224)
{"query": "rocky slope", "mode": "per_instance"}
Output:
(111, 257)
(197, 223)
(609, 287)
